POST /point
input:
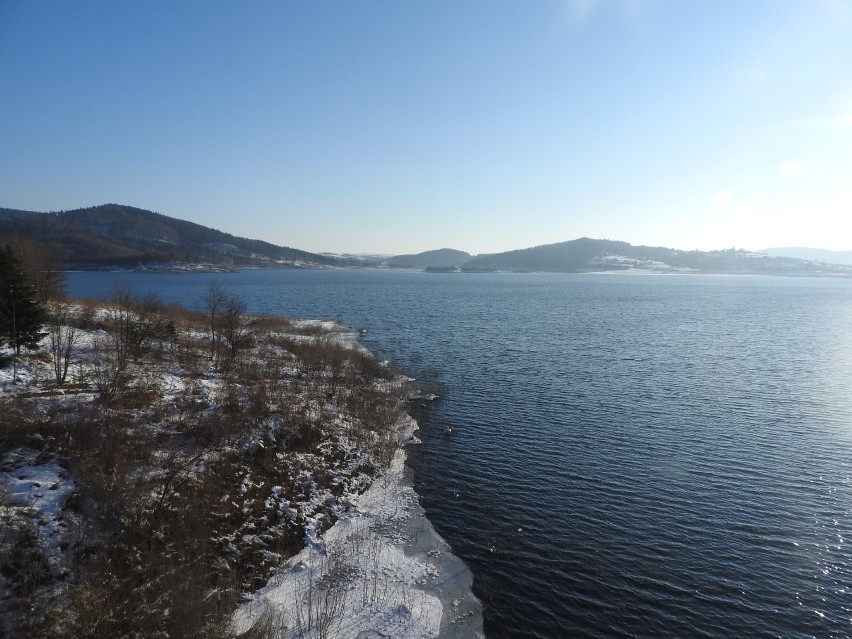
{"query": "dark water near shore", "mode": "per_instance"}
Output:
(630, 456)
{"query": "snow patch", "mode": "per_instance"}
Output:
(357, 579)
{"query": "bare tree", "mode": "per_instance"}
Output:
(337, 358)
(214, 301)
(63, 339)
(229, 327)
(110, 366)
(119, 325)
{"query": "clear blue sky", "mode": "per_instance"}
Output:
(388, 126)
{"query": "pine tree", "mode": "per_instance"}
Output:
(21, 316)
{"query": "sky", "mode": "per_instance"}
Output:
(380, 126)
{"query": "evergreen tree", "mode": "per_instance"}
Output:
(21, 316)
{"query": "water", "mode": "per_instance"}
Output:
(630, 456)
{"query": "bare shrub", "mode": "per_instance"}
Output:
(138, 321)
(109, 368)
(86, 318)
(131, 325)
(269, 625)
(236, 328)
(15, 425)
(322, 601)
(23, 570)
(367, 368)
(151, 567)
(187, 503)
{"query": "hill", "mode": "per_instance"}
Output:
(812, 254)
(441, 258)
(119, 235)
(586, 255)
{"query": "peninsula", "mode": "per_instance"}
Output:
(212, 474)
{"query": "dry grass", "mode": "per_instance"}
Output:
(187, 499)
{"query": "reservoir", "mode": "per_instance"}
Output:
(612, 455)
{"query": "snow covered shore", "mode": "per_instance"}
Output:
(169, 478)
(380, 571)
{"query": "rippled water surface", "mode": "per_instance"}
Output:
(630, 456)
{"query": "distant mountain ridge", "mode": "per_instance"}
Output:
(815, 255)
(587, 255)
(120, 235)
(112, 235)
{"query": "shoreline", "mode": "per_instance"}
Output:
(292, 457)
(454, 586)
(380, 571)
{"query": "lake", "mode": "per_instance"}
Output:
(613, 455)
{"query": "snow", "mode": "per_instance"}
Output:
(326, 325)
(626, 264)
(380, 571)
(38, 487)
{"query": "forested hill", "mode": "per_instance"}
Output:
(441, 257)
(585, 254)
(118, 235)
